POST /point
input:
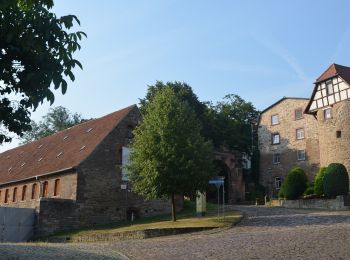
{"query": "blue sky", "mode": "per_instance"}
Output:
(260, 50)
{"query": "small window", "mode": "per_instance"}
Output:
(278, 183)
(276, 158)
(338, 134)
(6, 199)
(274, 120)
(327, 113)
(14, 197)
(300, 133)
(45, 189)
(129, 134)
(298, 114)
(56, 191)
(329, 87)
(275, 138)
(0, 195)
(34, 191)
(301, 155)
(24, 192)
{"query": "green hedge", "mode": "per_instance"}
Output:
(336, 180)
(319, 181)
(294, 185)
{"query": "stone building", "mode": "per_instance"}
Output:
(74, 178)
(330, 106)
(287, 138)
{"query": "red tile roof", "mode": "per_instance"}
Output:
(57, 152)
(334, 70)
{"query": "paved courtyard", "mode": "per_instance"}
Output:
(265, 233)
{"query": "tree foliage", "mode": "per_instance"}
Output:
(294, 185)
(169, 156)
(319, 181)
(336, 180)
(57, 119)
(228, 122)
(233, 121)
(36, 52)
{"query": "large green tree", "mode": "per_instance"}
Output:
(36, 56)
(184, 92)
(57, 119)
(169, 156)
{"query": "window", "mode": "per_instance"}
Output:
(274, 120)
(327, 113)
(129, 133)
(56, 191)
(45, 189)
(6, 196)
(125, 161)
(34, 191)
(275, 138)
(298, 113)
(278, 182)
(300, 133)
(301, 155)
(338, 134)
(329, 87)
(14, 197)
(0, 195)
(24, 191)
(276, 158)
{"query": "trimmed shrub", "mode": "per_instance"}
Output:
(310, 190)
(319, 181)
(336, 180)
(295, 184)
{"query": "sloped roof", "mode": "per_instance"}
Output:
(332, 71)
(335, 70)
(279, 101)
(61, 151)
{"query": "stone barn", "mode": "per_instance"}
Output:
(74, 178)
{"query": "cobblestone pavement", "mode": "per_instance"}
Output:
(265, 233)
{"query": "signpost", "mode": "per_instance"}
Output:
(218, 181)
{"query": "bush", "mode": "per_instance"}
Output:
(310, 190)
(319, 181)
(336, 180)
(294, 185)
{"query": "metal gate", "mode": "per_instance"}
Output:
(16, 224)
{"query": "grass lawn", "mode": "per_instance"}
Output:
(186, 218)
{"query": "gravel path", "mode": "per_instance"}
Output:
(265, 233)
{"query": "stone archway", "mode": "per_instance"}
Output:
(230, 166)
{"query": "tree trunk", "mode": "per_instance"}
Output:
(173, 209)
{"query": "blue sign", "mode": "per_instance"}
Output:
(220, 182)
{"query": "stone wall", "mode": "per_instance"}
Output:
(335, 149)
(68, 187)
(56, 215)
(234, 179)
(289, 145)
(99, 195)
(333, 204)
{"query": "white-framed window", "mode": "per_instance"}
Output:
(276, 158)
(329, 86)
(300, 133)
(275, 138)
(301, 155)
(125, 161)
(274, 120)
(298, 113)
(327, 113)
(278, 183)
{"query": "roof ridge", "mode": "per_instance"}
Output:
(69, 128)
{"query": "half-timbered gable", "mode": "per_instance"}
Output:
(330, 88)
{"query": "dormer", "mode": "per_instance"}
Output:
(331, 87)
